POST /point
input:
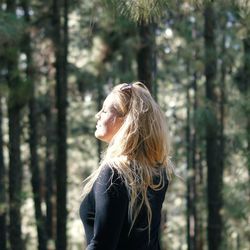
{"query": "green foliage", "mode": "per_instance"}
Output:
(11, 30)
(140, 10)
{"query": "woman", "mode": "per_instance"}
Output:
(121, 208)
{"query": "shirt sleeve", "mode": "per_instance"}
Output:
(111, 203)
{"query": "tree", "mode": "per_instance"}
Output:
(214, 170)
(33, 139)
(49, 168)
(3, 200)
(61, 45)
(145, 14)
(15, 165)
(146, 60)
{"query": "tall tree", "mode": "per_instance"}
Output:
(214, 171)
(190, 218)
(243, 13)
(191, 148)
(15, 166)
(222, 102)
(145, 14)
(61, 45)
(246, 93)
(49, 169)
(146, 59)
(33, 141)
(3, 200)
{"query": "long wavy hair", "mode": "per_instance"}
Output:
(140, 149)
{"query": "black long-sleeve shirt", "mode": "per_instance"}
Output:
(104, 213)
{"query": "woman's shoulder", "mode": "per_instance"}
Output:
(110, 180)
(109, 174)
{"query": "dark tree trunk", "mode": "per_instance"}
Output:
(146, 58)
(197, 233)
(15, 176)
(190, 231)
(15, 166)
(34, 166)
(35, 173)
(246, 93)
(222, 108)
(3, 200)
(61, 44)
(214, 171)
(125, 64)
(49, 171)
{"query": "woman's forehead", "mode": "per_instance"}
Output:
(109, 101)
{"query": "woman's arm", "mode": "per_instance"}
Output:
(111, 206)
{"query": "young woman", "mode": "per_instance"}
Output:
(121, 208)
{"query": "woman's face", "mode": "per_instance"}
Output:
(108, 120)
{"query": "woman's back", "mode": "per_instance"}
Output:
(104, 213)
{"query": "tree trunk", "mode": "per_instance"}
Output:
(222, 108)
(190, 231)
(34, 167)
(15, 176)
(192, 198)
(214, 171)
(61, 44)
(3, 201)
(49, 172)
(35, 174)
(15, 166)
(246, 93)
(146, 59)
(200, 185)
(197, 233)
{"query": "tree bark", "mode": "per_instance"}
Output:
(222, 108)
(214, 171)
(191, 149)
(15, 166)
(15, 177)
(3, 200)
(33, 144)
(197, 233)
(190, 232)
(35, 173)
(49, 171)
(61, 44)
(246, 90)
(146, 59)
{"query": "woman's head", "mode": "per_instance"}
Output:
(138, 126)
(108, 120)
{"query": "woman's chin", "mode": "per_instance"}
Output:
(97, 135)
(101, 137)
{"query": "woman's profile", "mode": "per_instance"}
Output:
(122, 199)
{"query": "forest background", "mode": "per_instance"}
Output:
(59, 59)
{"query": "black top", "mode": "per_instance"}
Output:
(104, 213)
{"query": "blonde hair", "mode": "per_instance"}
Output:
(140, 149)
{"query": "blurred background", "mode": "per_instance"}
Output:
(58, 61)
